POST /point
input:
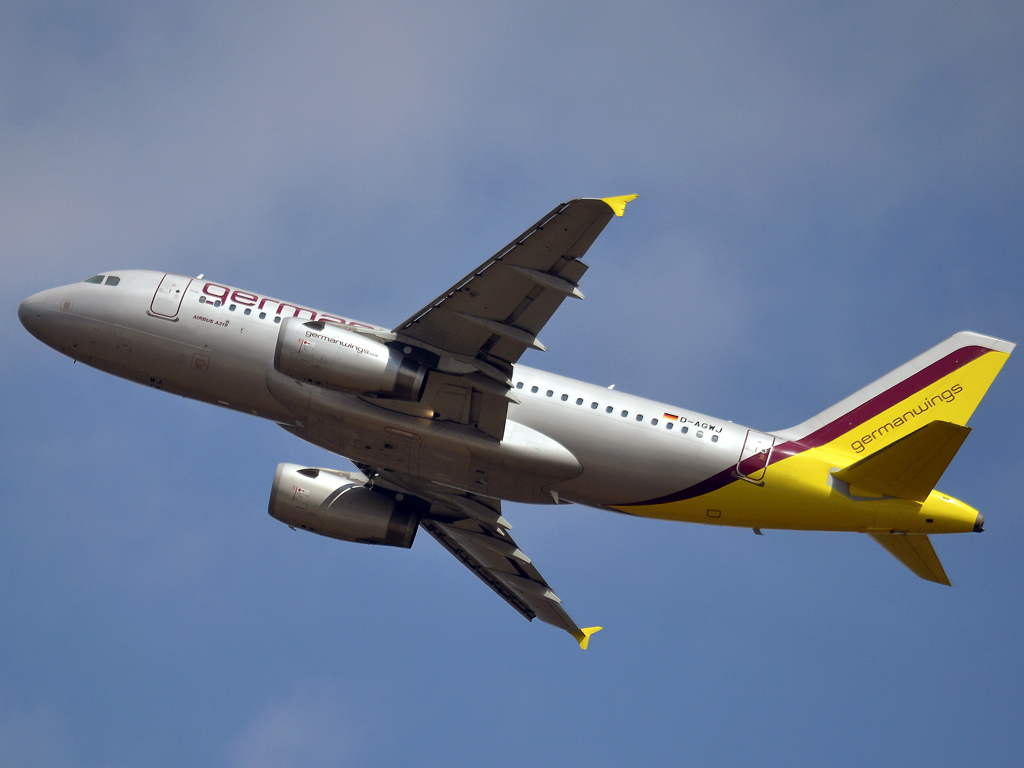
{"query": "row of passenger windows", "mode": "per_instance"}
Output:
(669, 424)
(233, 307)
(98, 280)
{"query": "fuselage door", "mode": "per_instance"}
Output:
(167, 299)
(754, 458)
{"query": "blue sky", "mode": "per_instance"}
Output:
(826, 191)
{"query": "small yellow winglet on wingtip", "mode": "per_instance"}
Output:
(618, 204)
(586, 632)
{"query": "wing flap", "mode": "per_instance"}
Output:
(478, 566)
(916, 552)
(910, 467)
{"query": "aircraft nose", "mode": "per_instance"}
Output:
(38, 313)
(979, 524)
(30, 313)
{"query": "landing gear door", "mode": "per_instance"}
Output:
(167, 299)
(754, 458)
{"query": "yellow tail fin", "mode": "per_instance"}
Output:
(946, 383)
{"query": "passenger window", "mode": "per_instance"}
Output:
(564, 398)
(263, 315)
(593, 405)
(97, 279)
(533, 389)
(216, 303)
(113, 280)
(277, 319)
(639, 417)
(654, 422)
(608, 409)
(668, 425)
(714, 438)
(624, 414)
(579, 401)
(248, 311)
(519, 385)
(232, 307)
(684, 430)
(700, 433)
(550, 392)
(202, 299)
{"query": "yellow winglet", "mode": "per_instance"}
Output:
(583, 638)
(618, 205)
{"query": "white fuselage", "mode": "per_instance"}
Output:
(565, 440)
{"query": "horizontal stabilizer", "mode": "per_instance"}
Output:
(916, 552)
(910, 467)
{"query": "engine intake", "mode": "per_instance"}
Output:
(341, 505)
(328, 355)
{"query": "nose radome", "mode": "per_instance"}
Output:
(30, 313)
(979, 524)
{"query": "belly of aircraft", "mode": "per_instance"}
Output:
(521, 467)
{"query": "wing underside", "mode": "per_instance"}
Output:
(473, 530)
(483, 324)
(496, 311)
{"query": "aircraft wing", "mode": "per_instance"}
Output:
(482, 325)
(493, 314)
(473, 529)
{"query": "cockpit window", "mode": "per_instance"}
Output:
(97, 279)
(113, 280)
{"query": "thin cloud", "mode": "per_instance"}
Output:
(309, 729)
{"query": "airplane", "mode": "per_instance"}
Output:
(443, 423)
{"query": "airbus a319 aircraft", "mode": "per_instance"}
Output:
(443, 423)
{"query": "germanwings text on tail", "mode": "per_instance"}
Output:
(443, 423)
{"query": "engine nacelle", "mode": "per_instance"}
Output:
(341, 505)
(328, 355)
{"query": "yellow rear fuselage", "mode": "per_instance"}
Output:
(798, 493)
(797, 489)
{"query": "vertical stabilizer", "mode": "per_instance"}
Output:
(946, 383)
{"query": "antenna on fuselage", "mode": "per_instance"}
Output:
(611, 386)
(199, 276)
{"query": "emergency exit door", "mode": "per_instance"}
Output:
(167, 299)
(754, 458)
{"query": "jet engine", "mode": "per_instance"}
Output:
(341, 505)
(327, 355)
